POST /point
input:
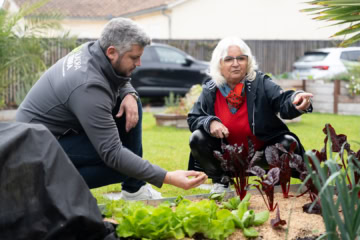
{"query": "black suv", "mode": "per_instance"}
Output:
(166, 69)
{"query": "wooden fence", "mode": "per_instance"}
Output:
(329, 97)
(273, 56)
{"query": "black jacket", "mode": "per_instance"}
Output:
(265, 99)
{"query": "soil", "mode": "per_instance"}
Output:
(301, 225)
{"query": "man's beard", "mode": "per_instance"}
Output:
(117, 70)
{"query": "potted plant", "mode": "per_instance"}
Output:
(176, 108)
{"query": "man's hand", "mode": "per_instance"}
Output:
(302, 100)
(180, 178)
(218, 130)
(130, 107)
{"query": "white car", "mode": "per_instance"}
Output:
(325, 63)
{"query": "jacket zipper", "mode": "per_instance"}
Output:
(253, 123)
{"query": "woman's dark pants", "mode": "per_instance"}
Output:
(92, 168)
(202, 158)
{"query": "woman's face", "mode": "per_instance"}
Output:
(234, 66)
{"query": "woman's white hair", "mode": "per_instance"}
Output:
(221, 51)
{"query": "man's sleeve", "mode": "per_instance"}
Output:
(92, 105)
(126, 89)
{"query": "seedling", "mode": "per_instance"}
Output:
(235, 161)
(266, 184)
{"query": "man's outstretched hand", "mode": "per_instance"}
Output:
(181, 178)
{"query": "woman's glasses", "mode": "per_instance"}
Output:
(228, 60)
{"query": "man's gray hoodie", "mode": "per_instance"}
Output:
(79, 93)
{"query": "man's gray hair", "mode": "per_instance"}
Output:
(122, 33)
(221, 51)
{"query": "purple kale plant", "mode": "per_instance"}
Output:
(277, 156)
(266, 184)
(235, 161)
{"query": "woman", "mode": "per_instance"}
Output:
(238, 103)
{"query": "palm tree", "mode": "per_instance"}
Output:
(340, 12)
(22, 46)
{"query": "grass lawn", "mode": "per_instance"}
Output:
(168, 147)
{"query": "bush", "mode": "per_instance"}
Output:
(176, 105)
(352, 77)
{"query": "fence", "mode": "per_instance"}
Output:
(273, 56)
(329, 97)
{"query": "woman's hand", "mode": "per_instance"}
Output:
(218, 130)
(302, 100)
(180, 178)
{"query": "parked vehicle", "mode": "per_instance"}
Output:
(325, 63)
(166, 69)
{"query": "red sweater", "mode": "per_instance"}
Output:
(237, 124)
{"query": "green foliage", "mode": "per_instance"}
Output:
(22, 46)
(138, 220)
(175, 104)
(352, 77)
(341, 215)
(232, 203)
(143, 221)
(245, 218)
(340, 12)
(285, 75)
(172, 101)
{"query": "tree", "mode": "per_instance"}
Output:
(341, 12)
(22, 45)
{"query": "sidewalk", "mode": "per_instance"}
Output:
(7, 115)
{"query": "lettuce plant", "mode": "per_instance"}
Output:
(203, 219)
(137, 220)
(245, 219)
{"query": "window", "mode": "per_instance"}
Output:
(146, 57)
(353, 56)
(313, 56)
(167, 55)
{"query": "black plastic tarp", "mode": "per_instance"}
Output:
(42, 195)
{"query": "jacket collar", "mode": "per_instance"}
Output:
(115, 80)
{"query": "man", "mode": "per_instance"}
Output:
(86, 100)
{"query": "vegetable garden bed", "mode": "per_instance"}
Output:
(331, 181)
(300, 225)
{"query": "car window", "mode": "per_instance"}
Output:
(167, 55)
(146, 56)
(353, 56)
(313, 57)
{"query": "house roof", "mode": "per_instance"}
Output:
(102, 8)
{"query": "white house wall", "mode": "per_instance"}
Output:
(249, 19)
(215, 19)
(84, 28)
(156, 24)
